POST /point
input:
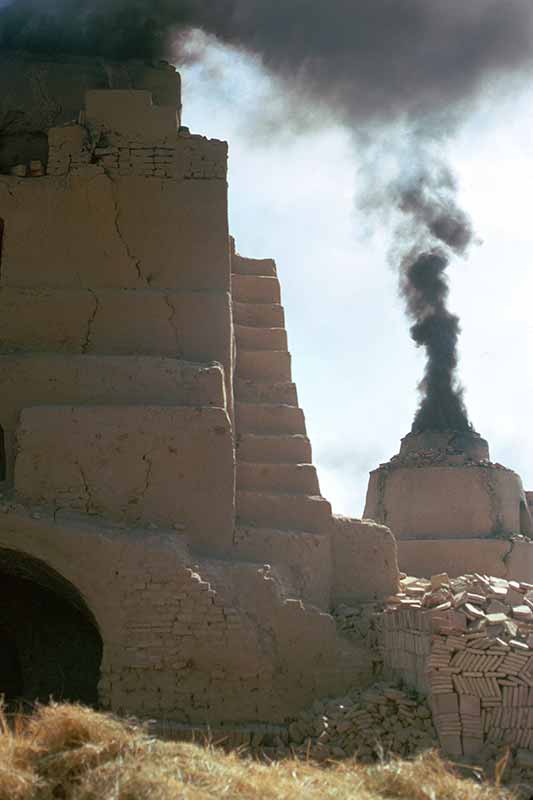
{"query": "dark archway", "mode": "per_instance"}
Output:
(50, 646)
(3, 457)
(21, 148)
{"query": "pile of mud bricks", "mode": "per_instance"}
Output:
(467, 644)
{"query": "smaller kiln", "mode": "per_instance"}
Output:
(451, 508)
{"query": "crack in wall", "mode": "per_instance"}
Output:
(148, 477)
(506, 557)
(10, 192)
(89, 504)
(90, 322)
(489, 482)
(57, 510)
(381, 508)
(173, 325)
(116, 221)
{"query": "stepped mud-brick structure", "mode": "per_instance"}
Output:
(164, 547)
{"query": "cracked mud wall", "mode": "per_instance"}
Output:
(509, 557)
(188, 325)
(446, 502)
(116, 265)
(115, 233)
(504, 500)
(170, 467)
(454, 519)
(36, 379)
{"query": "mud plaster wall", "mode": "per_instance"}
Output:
(32, 379)
(129, 266)
(167, 465)
(142, 233)
(155, 249)
(183, 638)
(365, 561)
(187, 325)
(302, 560)
(445, 502)
(508, 557)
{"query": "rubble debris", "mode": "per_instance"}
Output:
(360, 622)
(365, 723)
(447, 457)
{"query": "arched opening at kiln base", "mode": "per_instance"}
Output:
(10, 669)
(50, 646)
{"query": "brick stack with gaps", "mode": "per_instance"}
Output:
(467, 643)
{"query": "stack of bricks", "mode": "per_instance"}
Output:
(468, 643)
(407, 640)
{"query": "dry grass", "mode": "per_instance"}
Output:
(72, 753)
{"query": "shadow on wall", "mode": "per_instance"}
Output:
(526, 524)
(50, 646)
(22, 148)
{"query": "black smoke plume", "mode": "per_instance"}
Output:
(410, 67)
(425, 287)
(435, 229)
(367, 59)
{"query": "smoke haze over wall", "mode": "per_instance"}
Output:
(368, 59)
(402, 66)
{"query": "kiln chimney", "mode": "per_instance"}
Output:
(450, 507)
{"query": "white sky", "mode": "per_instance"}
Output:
(292, 198)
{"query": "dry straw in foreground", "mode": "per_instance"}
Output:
(73, 753)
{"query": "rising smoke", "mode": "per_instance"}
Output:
(396, 65)
(425, 288)
(435, 228)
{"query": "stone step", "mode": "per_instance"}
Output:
(264, 365)
(250, 338)
(259, 315)
(276, 393)
(255, 289)
(253, 266)
(296, 512)
(269, 419)
(289, 478)
(273, 449)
